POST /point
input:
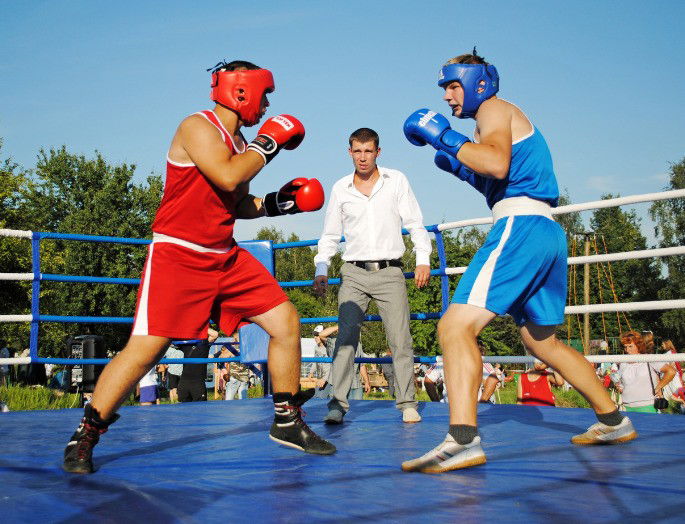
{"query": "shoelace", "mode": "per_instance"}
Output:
(300, 413)
(85, 445)
(91, 435)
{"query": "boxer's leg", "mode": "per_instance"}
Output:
(282, 323)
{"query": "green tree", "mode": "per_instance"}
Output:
(296, 264)
(669, 216)
(615, 230)
(14, 252)
(74, 194)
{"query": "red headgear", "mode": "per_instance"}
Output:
(242, 91)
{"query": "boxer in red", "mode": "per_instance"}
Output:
(194, 268)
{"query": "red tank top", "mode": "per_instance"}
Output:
(536, 393)
(193, 208)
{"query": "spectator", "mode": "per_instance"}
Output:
(173, 372)
(679, 398)
(491, 379)
(605, 370)
(220, 373)
(4, 368)
(236, 378)
(434, 381)
(191, 386)
(147, 388)
(640, 382)
(321, 371)
(534, 386)
(59, 381)
(674, 385)
(360, 376)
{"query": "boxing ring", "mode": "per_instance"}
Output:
(213, 461)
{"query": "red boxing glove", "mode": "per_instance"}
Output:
(282, 131)
(298, 195)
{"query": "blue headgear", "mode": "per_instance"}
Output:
(470, 76)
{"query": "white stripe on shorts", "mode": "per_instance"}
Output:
(160, 237)
(479, 292)
(140, 327)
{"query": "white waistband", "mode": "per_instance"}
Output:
(159, 237)
(515, 206)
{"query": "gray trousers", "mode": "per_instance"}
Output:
(388, 288)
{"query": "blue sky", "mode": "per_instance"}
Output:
(602, 80)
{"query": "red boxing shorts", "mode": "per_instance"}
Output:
(182, 287)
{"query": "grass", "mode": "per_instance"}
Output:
(27, 398)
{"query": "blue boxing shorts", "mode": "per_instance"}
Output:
(520, 270)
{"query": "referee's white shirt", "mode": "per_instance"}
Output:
(372, 226)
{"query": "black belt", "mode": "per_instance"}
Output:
(375, 265)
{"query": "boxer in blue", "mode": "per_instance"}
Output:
(520, 269)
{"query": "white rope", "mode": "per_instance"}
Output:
(610, 257)
(629, 255)
(16, 276)
(573, 208)
(17, 233)
(15, 360)
(620, 201)
(465, 223)
(16, 318)
(666, 357)
(455, 270)
(654, 305)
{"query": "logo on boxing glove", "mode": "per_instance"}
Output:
(284, 122)
(426, 118)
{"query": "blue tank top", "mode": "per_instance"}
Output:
(530, 174)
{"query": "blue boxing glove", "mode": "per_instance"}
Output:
(448, 163)
(428, 127)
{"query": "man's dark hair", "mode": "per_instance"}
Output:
(233, 66)
(364, 134)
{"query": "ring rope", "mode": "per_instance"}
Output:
(437, 229)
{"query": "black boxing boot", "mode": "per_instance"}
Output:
(78, 455)
(290, 430)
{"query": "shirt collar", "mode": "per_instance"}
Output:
(382, 174)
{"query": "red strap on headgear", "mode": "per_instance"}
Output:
(242, 91)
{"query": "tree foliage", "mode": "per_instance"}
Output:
(669, 216)
(75, 194)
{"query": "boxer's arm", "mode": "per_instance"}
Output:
(248, 206)
(492, 155)
(206, 149)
